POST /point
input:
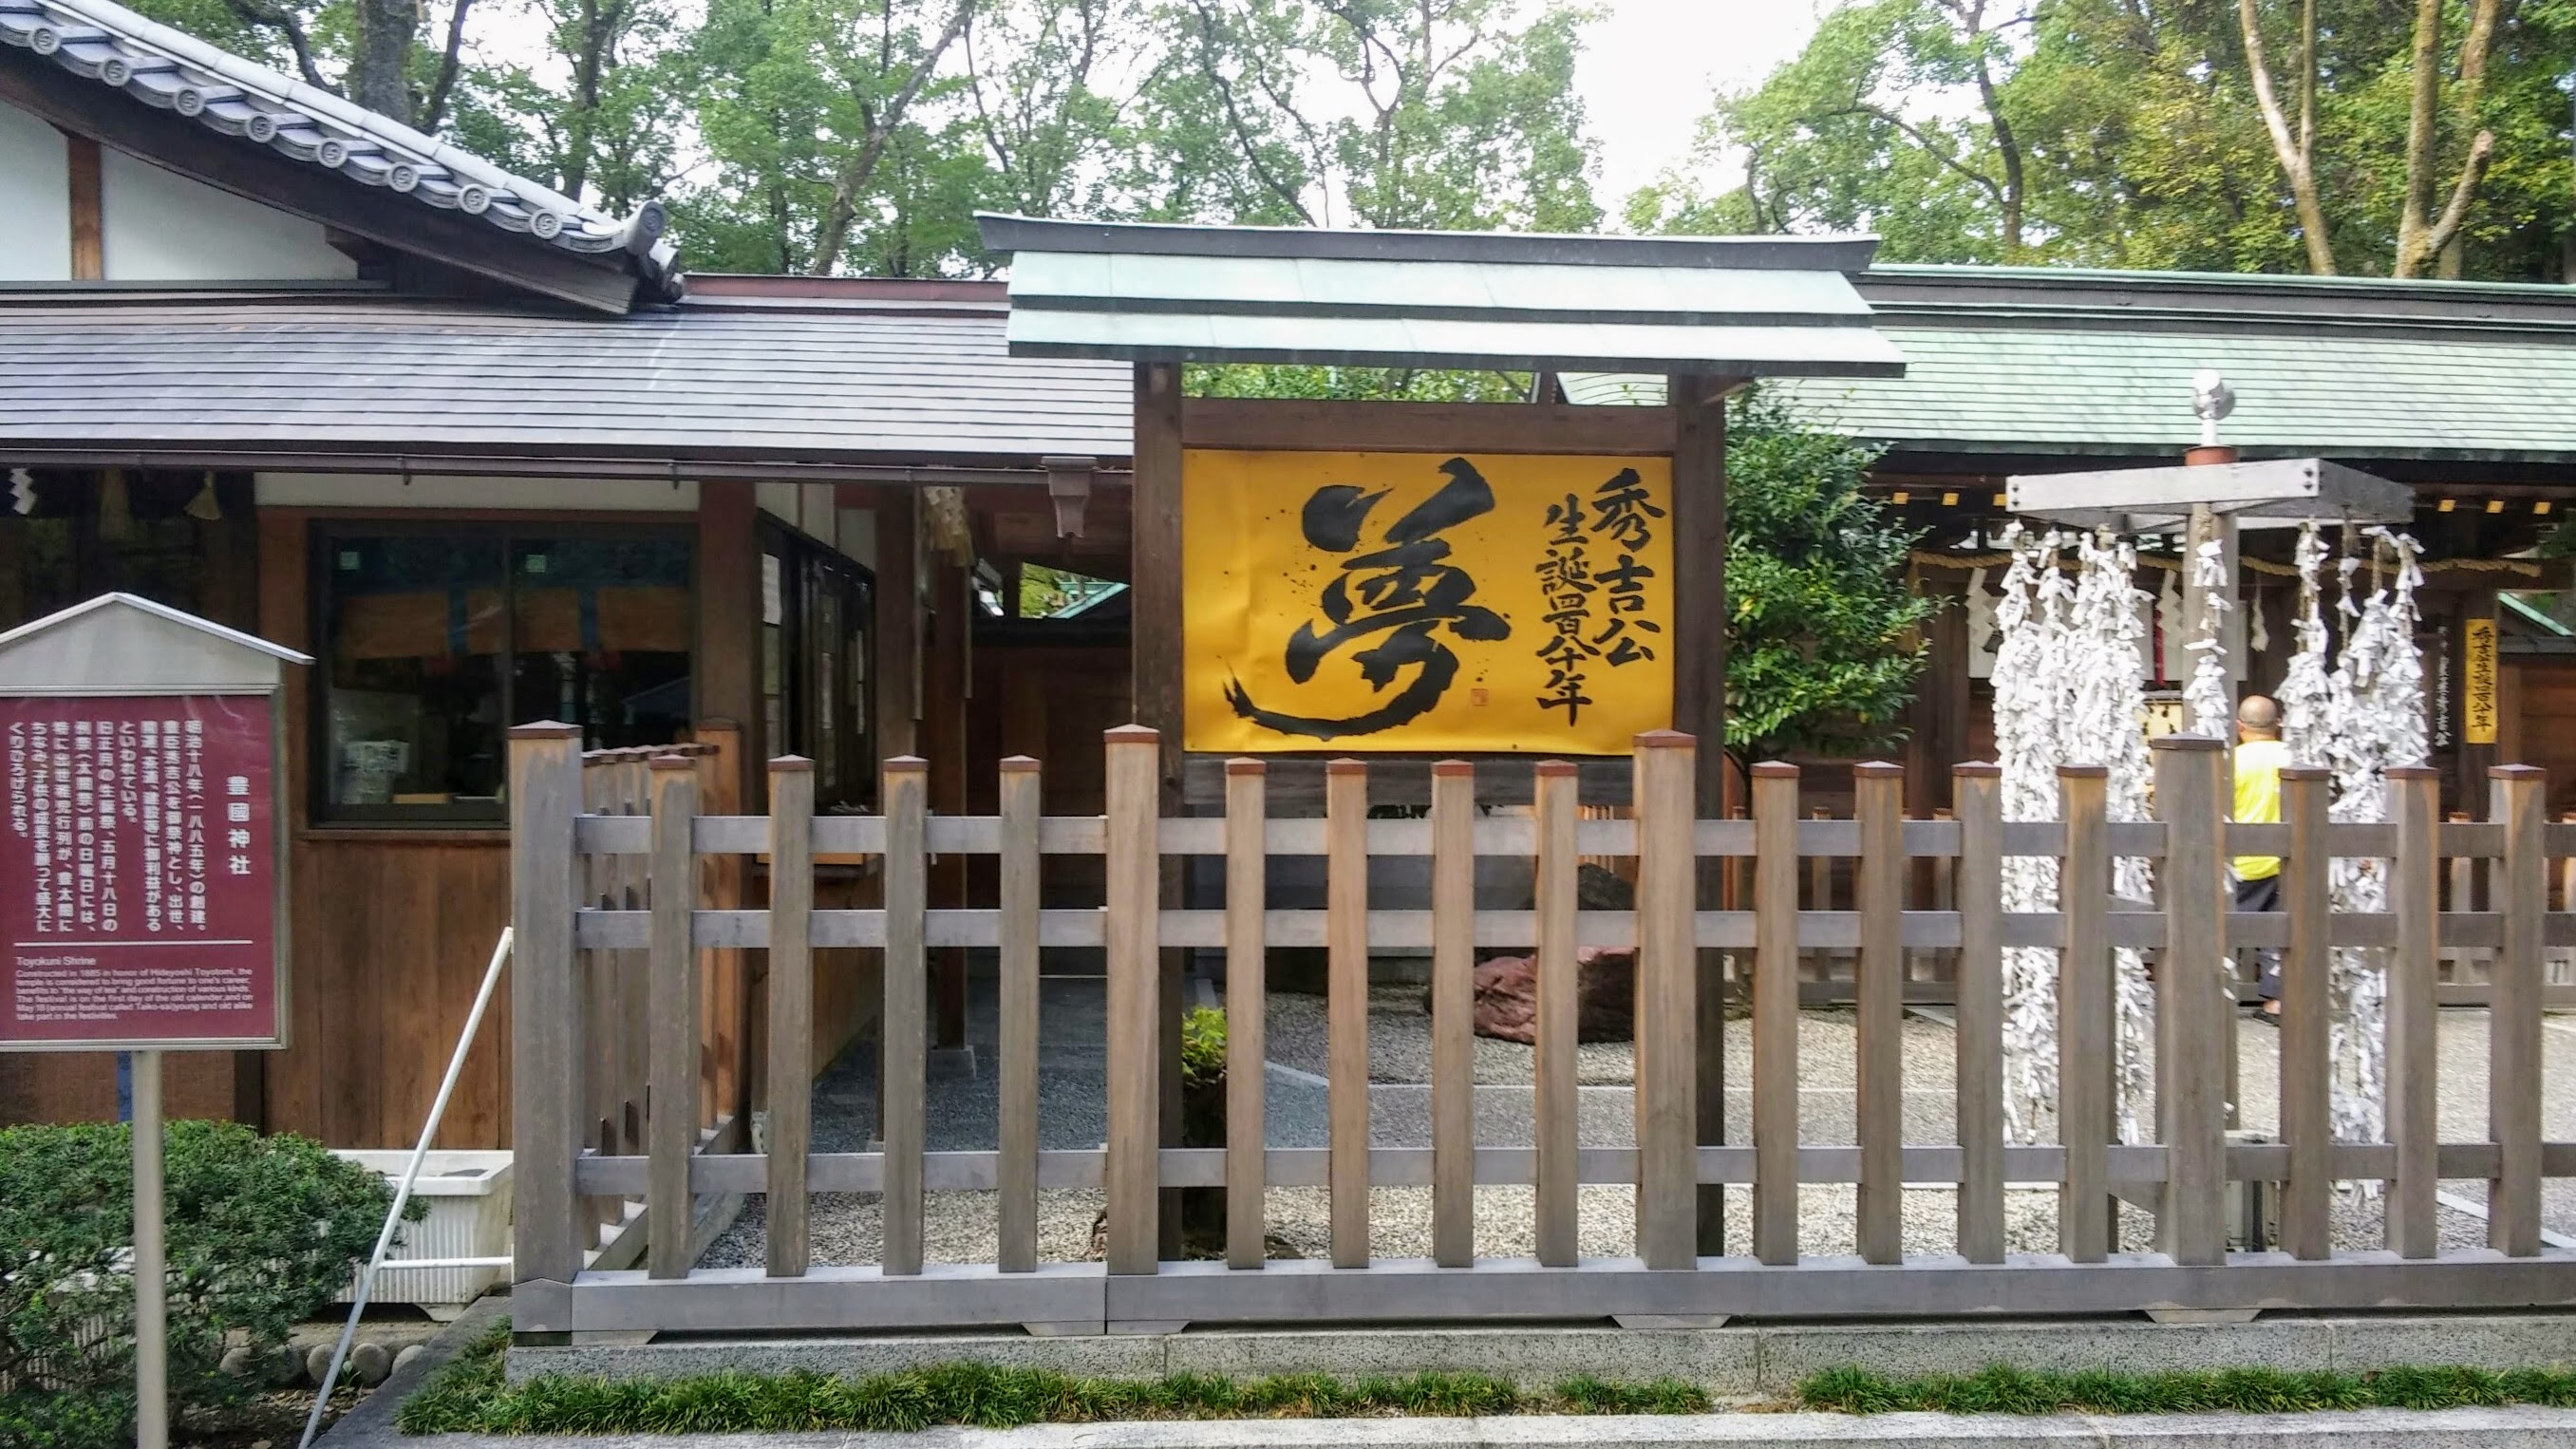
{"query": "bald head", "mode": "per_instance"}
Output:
(2258, 717)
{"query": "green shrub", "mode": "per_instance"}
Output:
(261, 1232)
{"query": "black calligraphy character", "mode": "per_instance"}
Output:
(1624, 508)
(1627, 604)
(1402, 595)
(1566, 583)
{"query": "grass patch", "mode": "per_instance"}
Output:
(472, 1395)
(2002, 1389)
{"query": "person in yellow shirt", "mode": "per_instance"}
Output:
(2259, 758)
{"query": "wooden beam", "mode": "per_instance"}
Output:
(74, 104)
(1292, 425)
(898, 622)
(1695, 432)
(89, 230)
(1155, 552)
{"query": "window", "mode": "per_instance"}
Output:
(436, 640)
(815, 624)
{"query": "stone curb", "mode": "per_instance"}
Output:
(1732, 1361)
(371, 1424)
(2372, 1429)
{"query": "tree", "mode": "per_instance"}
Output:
(371, 51)
(1461, 117)
(2219, 135)
(1838, 138)
(802, 105)
(1823, 637)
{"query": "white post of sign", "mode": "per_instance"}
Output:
(151, 1282)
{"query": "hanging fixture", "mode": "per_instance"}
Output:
(22, 492)
(205, 507)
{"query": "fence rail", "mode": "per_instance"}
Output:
(2183, 1178)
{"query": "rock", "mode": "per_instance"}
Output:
(317, 1364)
(410, 1351)
(1605, 996)
(371, 1363)
(1605, 978)
(281, 1365)
(239, 1362)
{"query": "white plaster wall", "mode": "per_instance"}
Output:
(163, 227)
(35, 200)
(386, 490)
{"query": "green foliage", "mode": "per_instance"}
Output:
(2002, 1389)
(2128, 135)
(472, 1396)
(1823, 644)
(261, 1232)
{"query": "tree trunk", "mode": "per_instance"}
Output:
(2293, 152)
(380, 59)
(2422, 99)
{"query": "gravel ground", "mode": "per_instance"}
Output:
(961, 1226)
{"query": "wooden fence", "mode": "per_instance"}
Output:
(613, 1032)
(2184, 1177)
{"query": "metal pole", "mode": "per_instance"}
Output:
(402, 1193)
(151, 1323)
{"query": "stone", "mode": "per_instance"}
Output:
(371, 1363)
(317, 1364)
(281, 1365)
(410, 1351)
(239, 1362)
(1605, 994)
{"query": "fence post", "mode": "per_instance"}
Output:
(1878, 988)
(791, 1011)
(1019, 796)
(2415, 898)
(1558, 904)
(2518, 890)
(672, 1054)
(2194, 1009)
(1775, 1013)
(907, 1006)
(1247, 952)
(545, 1016)
(2307, 1121)
(2084, 1025)
(1346, 1008)
(1666, 795)
(1132, 917)
(1976, 793)
(1453, 1014)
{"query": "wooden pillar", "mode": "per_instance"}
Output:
(1699, 709)
(898, 622)
(1154, 654)
(1936, 735)
(88, 212)
(944, 739)
(729, 613)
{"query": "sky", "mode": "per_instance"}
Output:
(1650, 68)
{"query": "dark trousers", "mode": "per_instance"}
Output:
(2263, 895)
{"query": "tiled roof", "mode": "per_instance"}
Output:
(1766, 306)
(164, 68)
(313, 376)
(2027, 361)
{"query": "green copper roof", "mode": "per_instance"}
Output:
(2037, 361)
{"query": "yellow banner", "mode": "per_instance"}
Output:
(1425, 602)
(2478, 682)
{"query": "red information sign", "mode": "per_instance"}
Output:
(138, 871)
